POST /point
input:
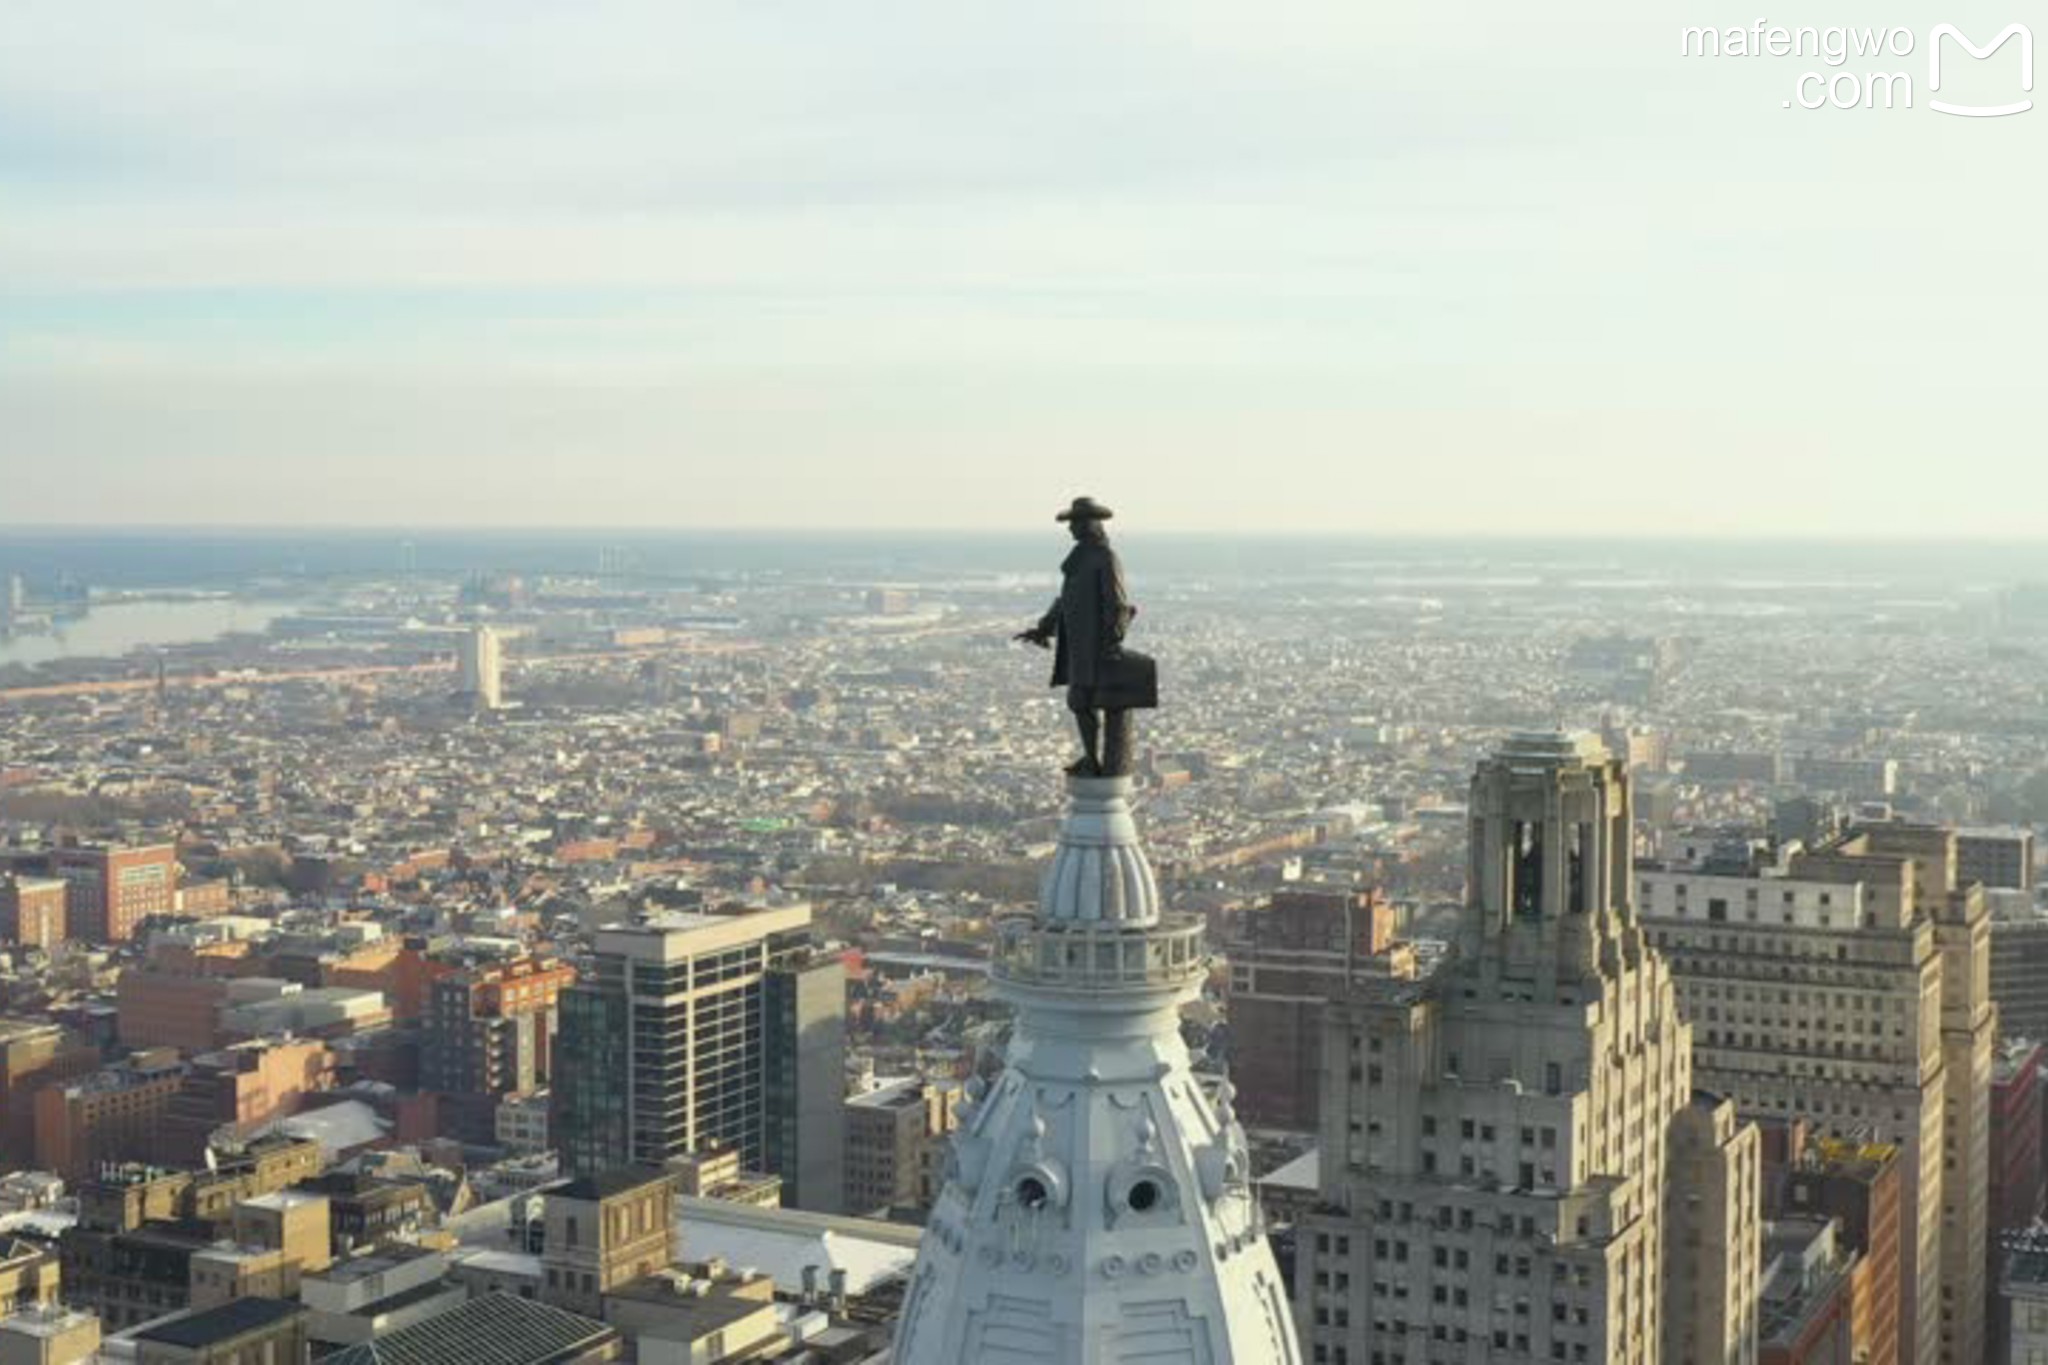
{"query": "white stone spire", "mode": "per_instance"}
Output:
(1097, 1207)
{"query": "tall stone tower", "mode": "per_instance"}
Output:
(1097, 1209)
(1500, 1141)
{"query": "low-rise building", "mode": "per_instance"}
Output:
(372, 1296)
(521, 1123)
(705, 1312)
(114, 1114)
(249, 1331)
(49, 1335)
(717, 1174)
(28, 1276)
(497, 1329)
(367, 1210)
(604, 1230)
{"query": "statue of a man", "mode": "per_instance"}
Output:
(1088, 621)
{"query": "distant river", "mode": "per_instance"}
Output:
(108, 632)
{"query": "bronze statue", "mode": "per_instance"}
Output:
(1088, 621)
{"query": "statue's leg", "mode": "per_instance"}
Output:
(1119, 737)
(1090, 763)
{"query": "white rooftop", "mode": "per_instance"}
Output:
(781, 1242)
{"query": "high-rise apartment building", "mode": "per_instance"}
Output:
(480, 669)
(1514, 1166)
(1850, 986)
(703, 1030)
(804, 1074)
(1291, 955)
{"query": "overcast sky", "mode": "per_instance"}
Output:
(1448, 267)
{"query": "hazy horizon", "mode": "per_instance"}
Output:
(1020, 530)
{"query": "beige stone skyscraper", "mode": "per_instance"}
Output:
(1849, 986)
(1503, 1144)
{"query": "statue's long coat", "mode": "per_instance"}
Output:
(1089, 617)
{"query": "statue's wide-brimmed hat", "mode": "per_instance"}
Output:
(1085, 509)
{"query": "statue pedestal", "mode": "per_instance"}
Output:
(1100, 871)
(1098, 1206)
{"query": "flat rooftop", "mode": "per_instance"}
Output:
(213, 1326)
(44, 1322)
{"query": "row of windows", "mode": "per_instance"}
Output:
(1485, 1132)
(1337, 1353)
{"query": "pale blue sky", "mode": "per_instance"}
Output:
(1465, 267)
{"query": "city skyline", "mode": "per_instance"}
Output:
(1711, 1026)
(1053, 685)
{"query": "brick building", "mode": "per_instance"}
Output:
(33, 1053)
(1295, 954)
(236, 1089)
(489, 1032)
(114, 1114)
(110, 888)
(161, 1006)
(32, 910)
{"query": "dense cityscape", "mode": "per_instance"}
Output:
(566, 953)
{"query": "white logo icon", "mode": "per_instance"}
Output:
(2026, 37)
